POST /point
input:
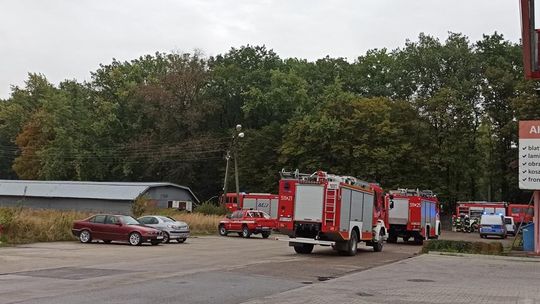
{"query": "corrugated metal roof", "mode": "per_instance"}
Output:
(70, 189)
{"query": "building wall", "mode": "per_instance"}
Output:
(77, 204)
(162, 195)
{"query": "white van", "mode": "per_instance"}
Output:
(492, 224)
(510, 225)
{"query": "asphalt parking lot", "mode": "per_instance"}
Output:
(208, 269)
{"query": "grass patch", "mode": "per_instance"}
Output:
(492, 248)
(24, 225)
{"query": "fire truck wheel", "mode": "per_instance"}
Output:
(377, 247)
(265, 234)
(419, 240)
(303, 248)
(405, 239)
(222, 230)
(352, 245)
(245, 232)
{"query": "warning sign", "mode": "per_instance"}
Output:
(529, 154)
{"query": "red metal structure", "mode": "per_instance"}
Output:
(331, 210)
(253, 201)
(415, 214)
(522, 213)
(530, 41)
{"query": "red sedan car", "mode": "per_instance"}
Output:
(108, 227)
(247, 222)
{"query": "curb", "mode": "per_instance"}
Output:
(534, 259)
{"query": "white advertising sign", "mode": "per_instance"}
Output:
(529, 155)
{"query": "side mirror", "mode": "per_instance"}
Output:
(391, 203)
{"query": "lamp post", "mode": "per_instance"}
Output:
(232, 148)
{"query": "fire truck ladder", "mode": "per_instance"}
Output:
(330, 206)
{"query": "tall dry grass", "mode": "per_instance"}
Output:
(199, 223)
(23, 225)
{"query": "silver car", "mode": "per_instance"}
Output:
(172, 229)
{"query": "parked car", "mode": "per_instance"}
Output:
(108, 227)
(246, 223)
(492, 224)
(171, 228)
(510, 225)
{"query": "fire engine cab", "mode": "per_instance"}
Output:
(415, 214)
(331, 210)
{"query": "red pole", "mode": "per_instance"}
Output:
(537, 222)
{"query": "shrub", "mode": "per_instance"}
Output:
(493, 248)
(6, 216)
(140, 206)
(207, 208)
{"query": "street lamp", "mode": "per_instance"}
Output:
(232, 148)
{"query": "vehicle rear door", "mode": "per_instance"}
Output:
(98, 226)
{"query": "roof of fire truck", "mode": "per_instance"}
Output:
(320, 176)
(412, 192)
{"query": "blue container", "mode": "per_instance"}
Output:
(528, 237)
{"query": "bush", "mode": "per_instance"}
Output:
(6, 216)
(493, 248)
(140, 206)
(207, 208)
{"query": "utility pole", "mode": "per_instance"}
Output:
(236, 175)
(225, 181)
(232, 148)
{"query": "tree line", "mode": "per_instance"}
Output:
(432, 114)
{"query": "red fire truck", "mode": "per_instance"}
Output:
(475, 209)
(415, 214)
(522, 213)
(253, 201)
(331, 210)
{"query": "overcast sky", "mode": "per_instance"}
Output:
(68, 39)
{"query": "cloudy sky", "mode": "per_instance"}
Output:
(68, 39)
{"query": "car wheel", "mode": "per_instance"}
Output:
(107, 241)
(222, 230)
(181, 240)
(265, 234)
(245, 232)
(166, 237)
(85, 236)
(303, 248)
(135, 239)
